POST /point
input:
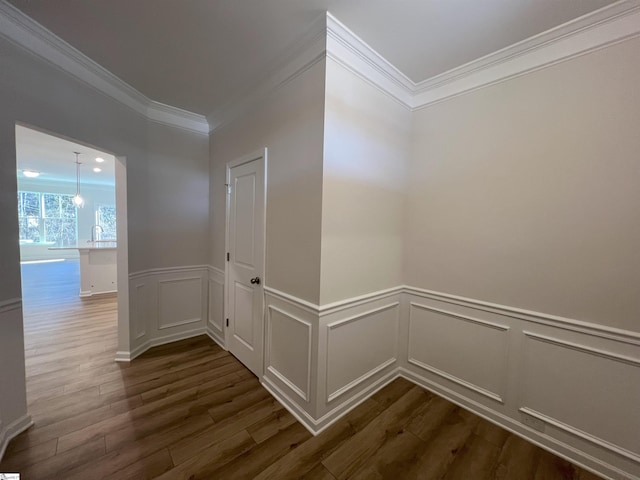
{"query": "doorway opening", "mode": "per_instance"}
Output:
(73, 255)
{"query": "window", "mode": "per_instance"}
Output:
(47, 217)
(106, 218)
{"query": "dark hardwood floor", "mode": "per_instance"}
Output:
(190, 410)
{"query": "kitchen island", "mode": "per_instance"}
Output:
(98, 269)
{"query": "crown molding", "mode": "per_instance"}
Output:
(612, 24)
(23, 31)
(609, 25)
(353, 53)
(330, 38)
(294, 61)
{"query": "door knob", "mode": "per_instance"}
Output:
(255, 281)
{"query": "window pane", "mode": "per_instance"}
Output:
(51, 205)
(61, 231)
(69, 210)
(29, 229)
(106, 218)
(30, 204)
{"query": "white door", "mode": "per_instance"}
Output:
(245, 259)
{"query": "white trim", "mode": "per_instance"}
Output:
(25, 32)
(123, 356)
(290, 385)
(617, 334)
(164, 270)
(354, 54)
(334, 307)
(635, 362)
(342, 321)
(162, 326)
(10, 304)
(12, 430)
(214, 336)
(607, 26)
(593, 329)
(216, 271)
(293, 300)
(535, 437)
(317, 426)
(584, 435)
(304, 394)
(452, 378)
(466, 318)
(354, 383)
(303, 54)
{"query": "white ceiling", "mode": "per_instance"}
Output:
(197, 54)
(53, 157)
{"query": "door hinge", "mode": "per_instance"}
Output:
(228, 255)
(227, 322)
(228, 185)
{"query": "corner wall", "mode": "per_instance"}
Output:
(518, 294)
(290, 124)
(35, 93)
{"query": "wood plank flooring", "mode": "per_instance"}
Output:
(190, 410)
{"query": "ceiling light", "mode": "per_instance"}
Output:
(30, 173)
(99, 159)
(78, 201)
(97, 169)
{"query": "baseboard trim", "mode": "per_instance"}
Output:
(215, 337)
(124, 356)
(318, 426)
(541, 440)
(13, 430)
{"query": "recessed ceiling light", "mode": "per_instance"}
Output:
(97, 169)
(30, 173)
(99, 159)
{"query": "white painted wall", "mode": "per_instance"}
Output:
(290, 124)
(526, 193)
(161, 164)
(365, 149)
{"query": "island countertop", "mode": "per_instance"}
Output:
(101, 245)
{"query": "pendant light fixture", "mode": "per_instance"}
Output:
(78, 201)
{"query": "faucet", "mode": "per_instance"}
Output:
(94, 232)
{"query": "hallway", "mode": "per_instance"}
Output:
(191, 410)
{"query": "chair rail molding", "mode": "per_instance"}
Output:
(404, 324)
(166, 305)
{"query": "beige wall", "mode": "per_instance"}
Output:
(290, 124)
(365, 150)
(527, 193)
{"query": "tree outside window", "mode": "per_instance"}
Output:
(106, 218)
(47, 217)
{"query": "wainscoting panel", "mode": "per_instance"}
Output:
(166, 305)
(596, 391)
(139, 307)
(288, 340)
(14, 418)
(460, 348)
(215, 323)
(290, 363)
(179, 301)
(352, 360)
